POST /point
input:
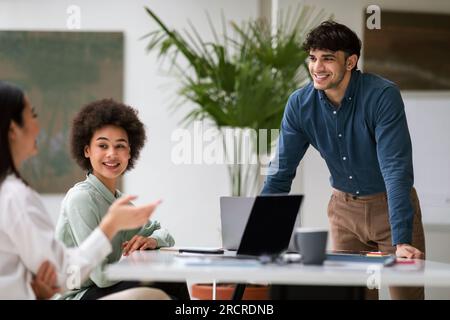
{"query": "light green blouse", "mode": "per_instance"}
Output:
(82, 209)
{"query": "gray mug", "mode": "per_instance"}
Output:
(311, 243)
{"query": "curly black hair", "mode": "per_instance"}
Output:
(333, 36)
(98, 114)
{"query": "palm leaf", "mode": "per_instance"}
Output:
(242, 80)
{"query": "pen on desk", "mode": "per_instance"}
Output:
(201, 251)
(377, 254)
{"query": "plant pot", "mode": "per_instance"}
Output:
(224, 291)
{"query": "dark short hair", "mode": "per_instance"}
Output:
(99, 114)
(12, 104)
(330, 35)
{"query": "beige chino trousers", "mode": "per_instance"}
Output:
(362, 224)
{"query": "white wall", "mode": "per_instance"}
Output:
(190, 192)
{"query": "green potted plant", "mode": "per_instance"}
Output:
(240, 82)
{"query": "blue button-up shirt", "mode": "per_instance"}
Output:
(365, 143)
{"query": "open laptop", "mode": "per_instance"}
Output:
(261, 225)
(234, 213)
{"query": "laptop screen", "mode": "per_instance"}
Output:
(270, 225)
(234, 213)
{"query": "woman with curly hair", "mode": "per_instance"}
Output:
(33, 264)
(106, 139)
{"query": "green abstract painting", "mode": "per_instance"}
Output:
(60, 72)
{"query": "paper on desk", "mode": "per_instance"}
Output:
(171, 249)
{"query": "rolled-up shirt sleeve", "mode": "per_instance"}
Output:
(153, 230)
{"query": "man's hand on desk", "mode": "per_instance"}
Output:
(138, 243)
(408, 251)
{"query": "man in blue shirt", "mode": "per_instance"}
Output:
(358, 124)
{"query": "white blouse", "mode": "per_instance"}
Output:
(27, 240)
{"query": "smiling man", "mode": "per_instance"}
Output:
(357, 122)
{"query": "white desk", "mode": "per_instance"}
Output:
(166, 266)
